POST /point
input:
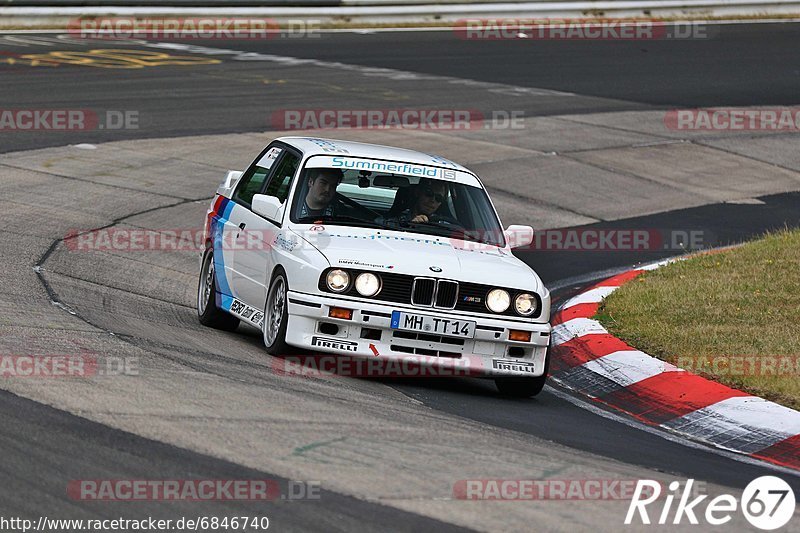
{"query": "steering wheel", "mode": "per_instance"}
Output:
(448, 221)
(357, 206)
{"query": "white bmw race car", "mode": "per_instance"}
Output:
(370, 251)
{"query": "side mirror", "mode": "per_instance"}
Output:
(518, 236)
(232, 177)
(268, 207)
(229, 183)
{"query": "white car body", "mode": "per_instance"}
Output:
(249, 248)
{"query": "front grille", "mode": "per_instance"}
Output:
(400, 288)
(439, 293)
(446, 294)
(472, 297)
(423, 291)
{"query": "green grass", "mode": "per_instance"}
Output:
(740, 306)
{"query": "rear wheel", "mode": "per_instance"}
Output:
(207, 311)
(276, 316)
(524, 387)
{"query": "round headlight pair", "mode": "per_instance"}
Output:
(367, 283)
(525, 304)
(498, 301)
(338, 280)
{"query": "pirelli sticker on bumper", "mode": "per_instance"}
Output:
(513, 366)
(334, 344)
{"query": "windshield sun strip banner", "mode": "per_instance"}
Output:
(394, 167)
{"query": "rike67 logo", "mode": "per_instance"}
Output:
(768, 503)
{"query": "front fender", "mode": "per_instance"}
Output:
(302, 261)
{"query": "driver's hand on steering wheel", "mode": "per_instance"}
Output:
(420, 219)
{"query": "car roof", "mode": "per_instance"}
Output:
(322, 146)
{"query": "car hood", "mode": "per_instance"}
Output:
(421, 255)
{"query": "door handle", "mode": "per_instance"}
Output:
(242, 225)
(241, 229)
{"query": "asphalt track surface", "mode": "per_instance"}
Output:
(738, 65)
(38, 439)
(742, 65)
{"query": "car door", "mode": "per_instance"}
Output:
(253, 258)
(230, 220)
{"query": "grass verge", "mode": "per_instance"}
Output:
(732, 316)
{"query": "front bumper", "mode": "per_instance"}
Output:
(368, 334)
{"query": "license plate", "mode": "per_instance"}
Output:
(433, 325)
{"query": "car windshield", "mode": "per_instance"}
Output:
(397, 202)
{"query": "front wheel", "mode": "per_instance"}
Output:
(524, 387)
(276, 316)
(207, 311)
(520, 387)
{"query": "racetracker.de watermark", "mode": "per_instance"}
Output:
(61, 120)
(192, 490)
(553, 240)
(741, 365)
(413, 119)
(229, 28)
(579, 29)
(734, 119)
(593, 240)
(544, 489)
(66, 366)
(411, 366)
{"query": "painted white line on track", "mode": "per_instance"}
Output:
(291, 61)
(379, 72)
(592, 296)
(577, 327)
(746, 424)
(628, 367)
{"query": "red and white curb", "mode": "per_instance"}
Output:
(589, 360)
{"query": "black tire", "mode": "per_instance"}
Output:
(207, 311)
(524, 387)
(274, 333)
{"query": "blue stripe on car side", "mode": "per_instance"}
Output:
(224, 294)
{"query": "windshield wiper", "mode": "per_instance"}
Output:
(439, 231)
(341, 219)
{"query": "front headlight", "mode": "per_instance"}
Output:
(338, 280)
(368, 284)
(525, 304)
(498, 300)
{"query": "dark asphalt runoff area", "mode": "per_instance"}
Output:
(44, 450)
(739, 65)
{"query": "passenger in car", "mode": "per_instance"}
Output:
(427, 197)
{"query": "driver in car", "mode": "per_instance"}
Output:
(321, 197)
(428, 195)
